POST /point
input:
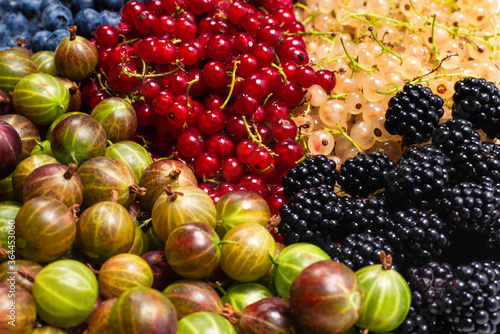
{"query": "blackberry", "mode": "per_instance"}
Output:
(418, 236)
(312, 172)
(363, 215)
(361, 250)
(414, 113)
(470, 206)
(415, 323)
(428, 284)
(448, 136)
(417, 179)
(472, 163)
(364, 174)
(472, 298)
(478, 101)
(310, 215)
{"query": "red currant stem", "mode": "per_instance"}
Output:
(175, 41)
(267, 99)
(145, 223)
(256, 138)
(301, 159)
(271, 257)
(262, 9)
(130, 41)
(355, 64)
(155, 75)
(231, 87)
(280, 70)
(344, 134)
(210, 180)
(190, 83)
(394, 90)
(103, 86)
(384, 48)
(145, 141)
(266, 169)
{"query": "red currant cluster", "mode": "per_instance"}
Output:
(216, 79)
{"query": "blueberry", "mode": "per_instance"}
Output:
(56, 17)
(87, 21)
(9, 4)
(4, 33)
(14, 40)
(114, 5)
(30, 8)
(16, 21)
(109, 17)
(39, 40)
(55, 38)
(78, 5)
(47, 3)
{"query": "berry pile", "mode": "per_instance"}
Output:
(436, 211)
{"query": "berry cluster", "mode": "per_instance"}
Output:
(212, 83)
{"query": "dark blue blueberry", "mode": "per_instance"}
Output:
(4, 33)
(14, 40)
(39, 40)
(56, 17)
(78, 5)
(87, 21)
(30, 8)
(109, 17)
(55, 38)
(16, 21)
(9, 5)
(114, 5)
(35, 26)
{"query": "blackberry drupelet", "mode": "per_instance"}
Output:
(310, 216)
(427, 284)
(472, 298)
(470, 206)
(478, 101)
(418, 236)
(361, 250)
(362, 215)
(364, 174)
(472, 163)
(312, 172)
(414, 113)
(416, 182)
(448, 136)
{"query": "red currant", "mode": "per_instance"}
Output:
(162, 101)
(214, 73)
(245, 149)
(248, 64)
(145, 115)
(289, 93)
(130, 11)
(232, 169)
(304, 76)
(326, 79)
(211, 121)
(185, 29)
(288, 152)
(190, 143)
(284, 128)
(256, 182)
(235, 127)
(145, 21)
(246, 104)
(164, 26)
(107, 36)
(220, 144)
(206, 165)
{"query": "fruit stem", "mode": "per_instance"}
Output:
(389, 92)
(109, 142)
(280, 70)
(114, 196)
(267, 99)
(95, 272)
(159, 259)
(3, 252)
(255, 137)
(355, 64)
(72, 32)
(135, 189)
(273, 222)
(171, 194)
(384, 48)
(271, 257)
(70, 171)
(190, 83)
(231, 87)
(73, 157)
(386, 260)
(26, 274)
(227, 242)
(145, 222)
(231, 314)
(75, 208)
(344, 134)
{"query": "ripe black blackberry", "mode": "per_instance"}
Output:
(361, 250)
(418, 178)
(472, 298)
(448, 136)
(363, 215)
(473, 163)
(310, 216)
(470, 207)
(414, 113)
(418, 236)
(364, 173)
(478, 101)
(415, 323)
(312, 172)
